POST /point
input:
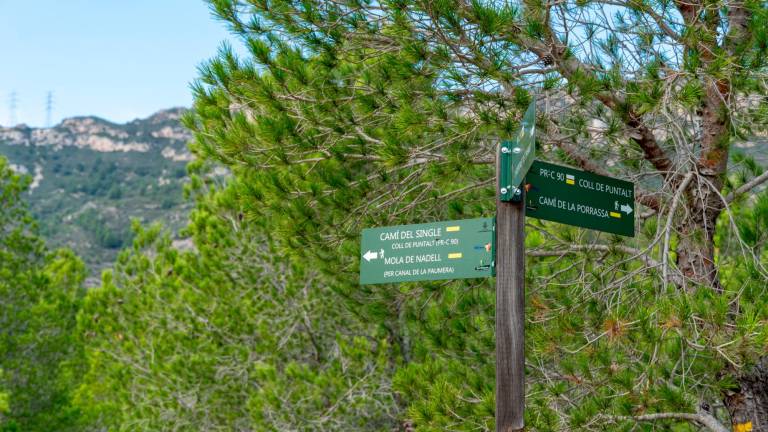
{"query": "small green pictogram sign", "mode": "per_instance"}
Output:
(433, 251)
(580, 198)
(517, 156)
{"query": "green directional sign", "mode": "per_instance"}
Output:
(580, 198)
(517, 155)
(442, 250)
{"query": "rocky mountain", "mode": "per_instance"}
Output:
(91, 177)
(140, 135)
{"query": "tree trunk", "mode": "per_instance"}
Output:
(748, 405)
(696, 258)
(696, 249)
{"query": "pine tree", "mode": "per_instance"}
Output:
(226, 337)
(39, 298)
(353, 114)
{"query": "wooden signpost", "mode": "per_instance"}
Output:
(487, 247)
(510, 308)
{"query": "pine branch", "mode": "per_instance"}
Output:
(746, 187)
(648, 10)
(575, 248)
(702, 418)
(569, 67)
(586, 163)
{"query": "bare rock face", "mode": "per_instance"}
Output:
(161, 130)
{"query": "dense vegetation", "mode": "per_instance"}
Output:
(40, 294)
(354, 114)
(346, 115)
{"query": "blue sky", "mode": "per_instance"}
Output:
(117, 59)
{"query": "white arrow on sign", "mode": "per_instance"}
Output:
(626, 208)
(370, 255)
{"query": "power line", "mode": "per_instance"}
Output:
(13, 103)
(48, 108)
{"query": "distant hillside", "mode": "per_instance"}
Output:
(91, 177)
